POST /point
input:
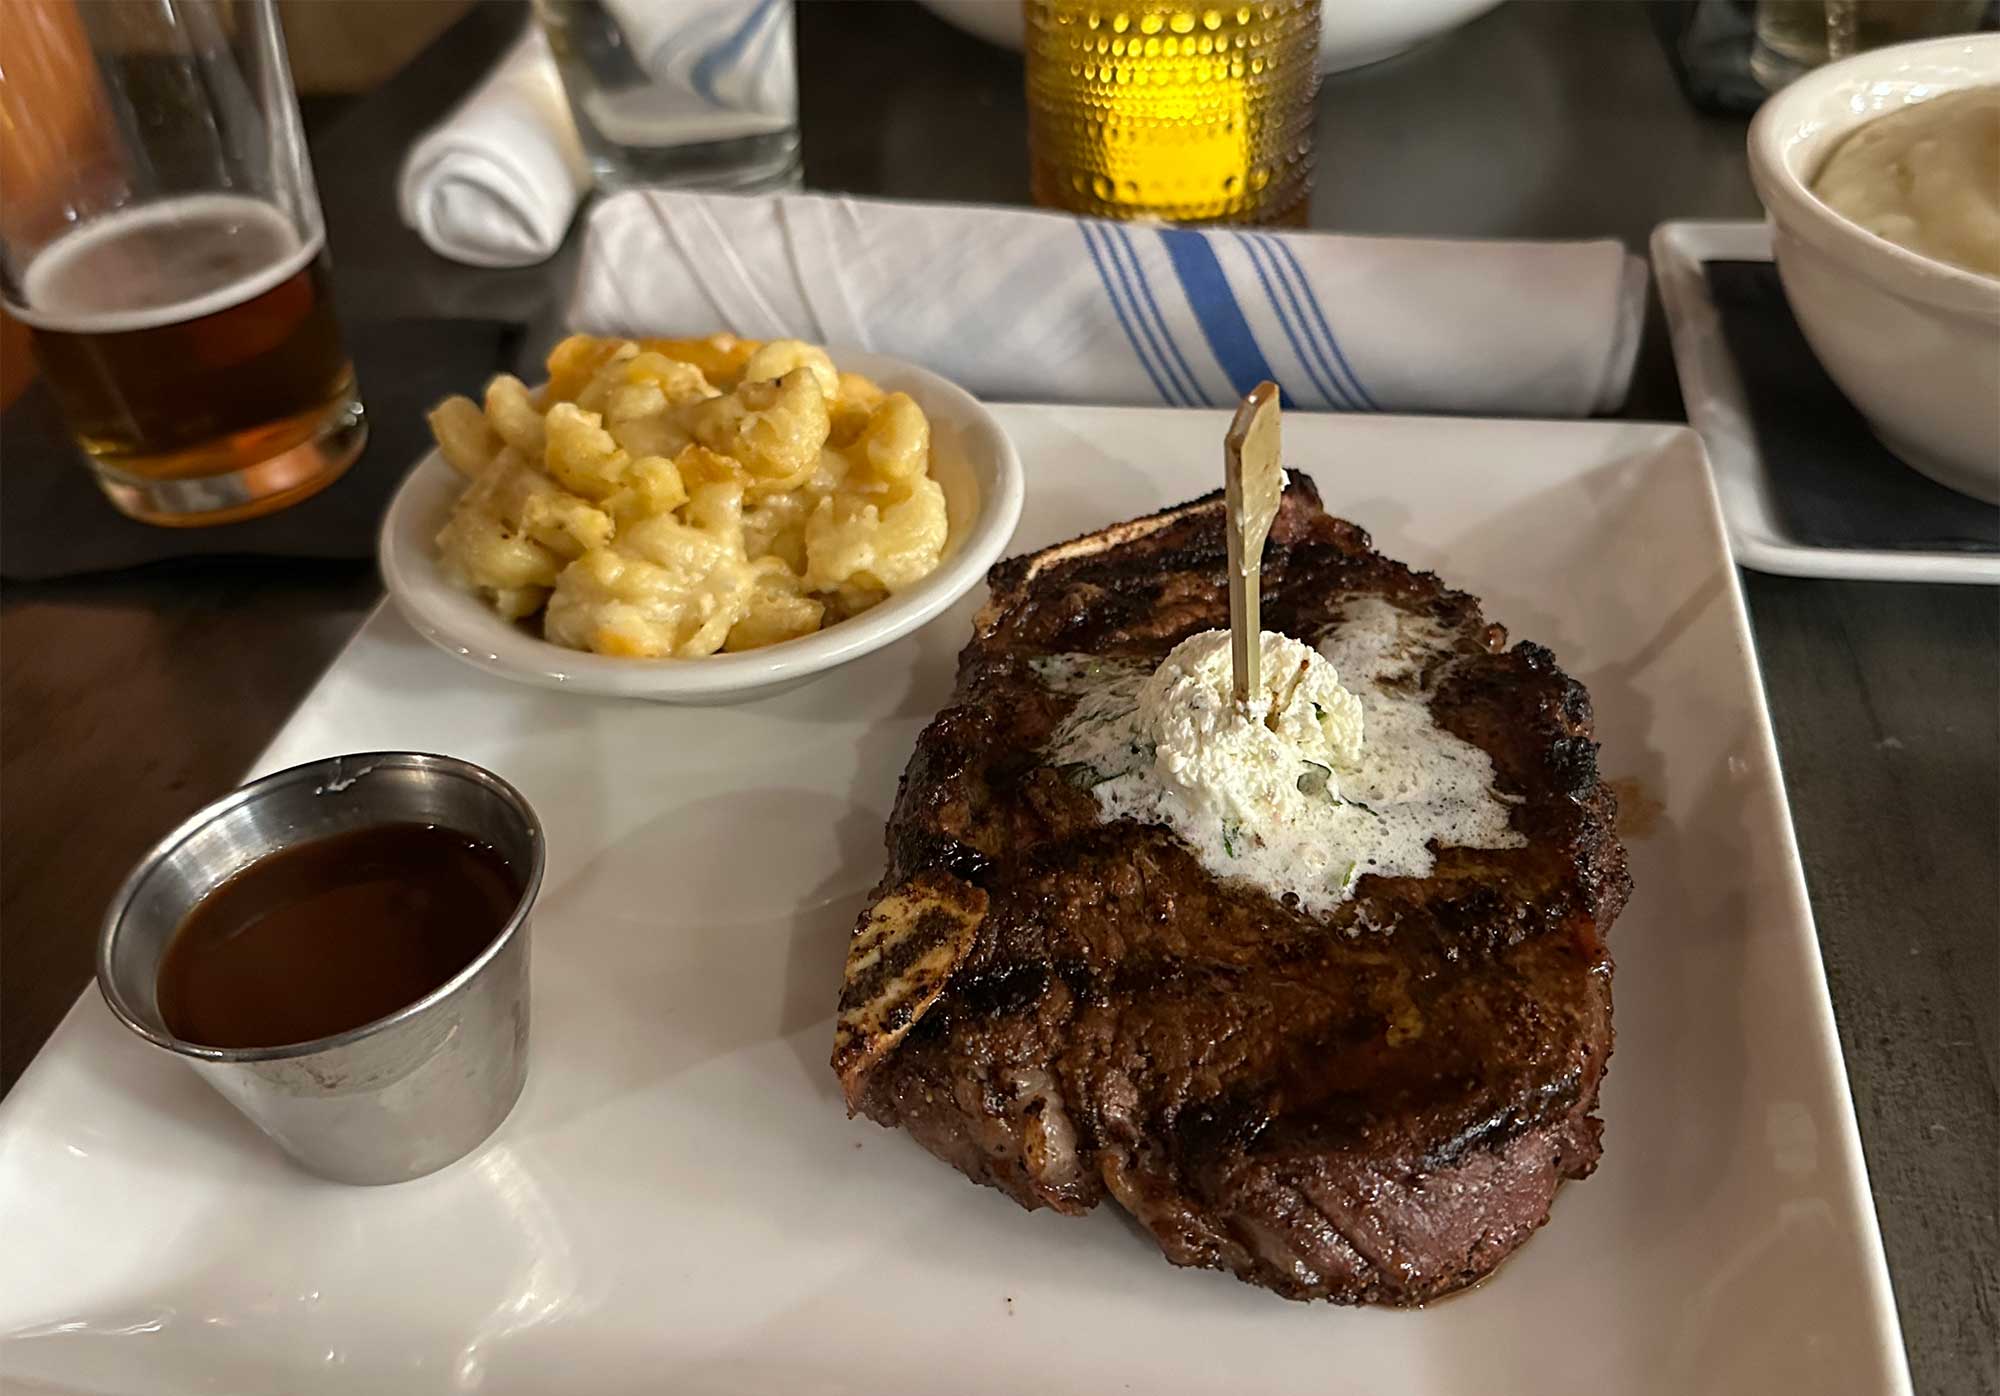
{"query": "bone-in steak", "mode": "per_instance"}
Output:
(1375, 1104)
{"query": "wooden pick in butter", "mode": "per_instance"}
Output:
(1252, 482)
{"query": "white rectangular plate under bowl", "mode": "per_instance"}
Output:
(679, 1203)
(1720, 411)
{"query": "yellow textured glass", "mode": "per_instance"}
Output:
(1215, 128)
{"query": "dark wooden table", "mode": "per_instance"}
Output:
(126, 701)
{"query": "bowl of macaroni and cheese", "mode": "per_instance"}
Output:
(1881, 174)
(697, 520)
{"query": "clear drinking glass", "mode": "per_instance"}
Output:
(1795, 35)
(681, 92)
(161, 237)
(1190, 112)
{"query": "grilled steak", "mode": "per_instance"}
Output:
(1375, 1104)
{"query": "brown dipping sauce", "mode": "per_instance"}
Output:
(332, 934)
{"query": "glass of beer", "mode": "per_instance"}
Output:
(161, 238)
(1794, 36)
(1187, 112)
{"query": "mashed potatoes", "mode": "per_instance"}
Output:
(1926, 177)
(679, 497)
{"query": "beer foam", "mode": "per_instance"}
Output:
(65, 286)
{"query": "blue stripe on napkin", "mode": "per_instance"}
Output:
(1312, 297)
(1262, 262)
(1215, 309)
(1118, 306)
(1156, 340)
(1195, 395)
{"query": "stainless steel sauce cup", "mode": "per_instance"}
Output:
(390, 1100)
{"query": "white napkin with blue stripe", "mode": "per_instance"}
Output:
(1021, 305)
(496, 183)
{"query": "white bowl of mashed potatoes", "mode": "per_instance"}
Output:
(697, 521)
(1881, 174)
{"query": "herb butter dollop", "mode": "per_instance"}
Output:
(1257, 762)
(1334, 769)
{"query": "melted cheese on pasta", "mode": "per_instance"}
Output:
(646, 511)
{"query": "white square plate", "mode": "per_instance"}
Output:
(678, 1202)
(1720, 411)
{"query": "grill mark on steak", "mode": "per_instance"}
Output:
(1373, 1106)
(898, 963)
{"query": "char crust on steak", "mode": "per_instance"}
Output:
(1373, 1105)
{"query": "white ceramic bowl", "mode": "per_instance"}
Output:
(1351, 32)
(971, 458)
(1913, 342)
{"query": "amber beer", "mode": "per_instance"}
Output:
(193, 347)
(1795, 35)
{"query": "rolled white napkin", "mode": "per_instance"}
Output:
(1033, 306)
(496, 183)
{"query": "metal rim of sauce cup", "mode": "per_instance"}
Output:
(267, 1083)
